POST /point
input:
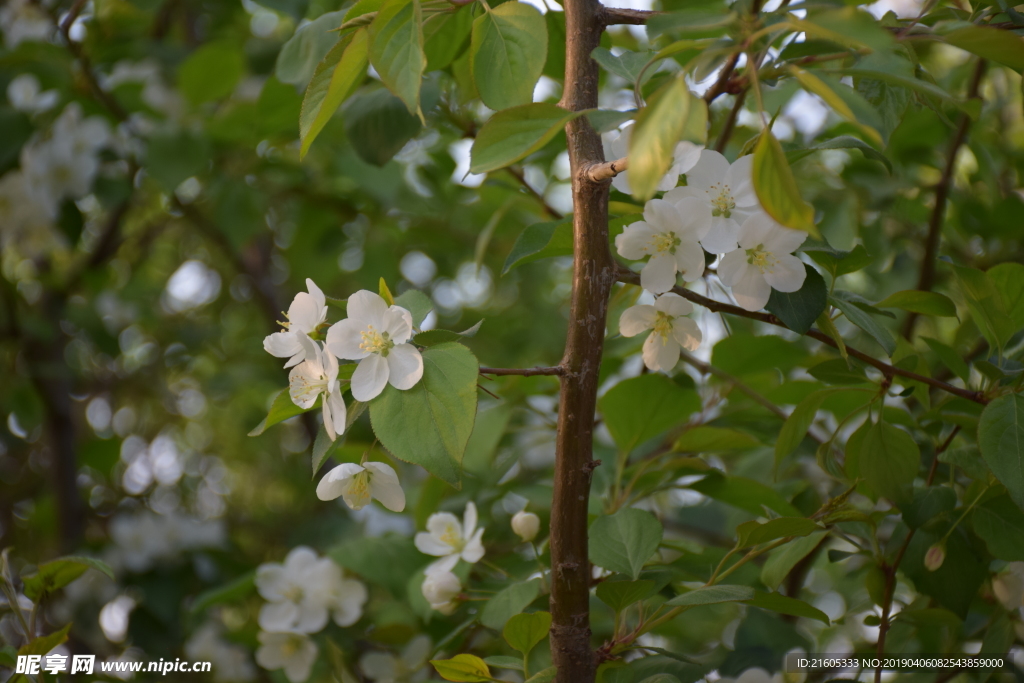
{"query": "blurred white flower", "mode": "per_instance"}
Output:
(442, 589)
(763, 262)
(24, 94)
(302, 591)
(727, 190)
(616, 146)
(21, 215)
(145, 539)
(376, 335)
(1008, 586)
(293, 652)
(229, 662)
(317, 375)
(670, 329)
(357, 484)
(22, 20)
(670, 234)
(446, 538)
(384, 667)
(306, 313)
(526, 525)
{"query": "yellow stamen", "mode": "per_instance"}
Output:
(764, 261)
(376, 342)
(665, 242)
(663, 326)
(721, 200)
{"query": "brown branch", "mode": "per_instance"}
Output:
(605, 170)
(889, 371)
(730, 123)
(523, 372)
(721, 84)
(938, 215)
(610, 16)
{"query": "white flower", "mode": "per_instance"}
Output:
(230, 662)
(376, 335)
(384, 667)
(670, 234)
(302, 591)
(1008, 586)
(616, 146)
(293, 652)
(23, 92)
(86, 136)
(442, 589)
(307, 312)
(728, 190)
(446, 538)
(22, 20)
(357, 484)
(764, 261)
(316, 375)
(526, 525)
(670, 330)
(21, 215)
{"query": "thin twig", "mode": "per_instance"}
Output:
(730, 123)
(610, 16)
(550, 210)
(721, 84)
(606, 170)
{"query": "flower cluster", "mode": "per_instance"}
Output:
(302, 594)
(718, 212)
(450, 540)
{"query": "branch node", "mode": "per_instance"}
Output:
(606, 170)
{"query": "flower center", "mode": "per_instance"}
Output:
(663, 326)
(304, 387)
(761, 259)
(453, 537)
(665, 242)
(360, 487)
(293, 594)
(376, 342)
(722, 202)
(291, 646)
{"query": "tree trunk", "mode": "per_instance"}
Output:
(593, 277)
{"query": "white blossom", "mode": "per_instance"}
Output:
(307, 312)
(410, 667)
(303, 590)
(24, 94)
(670, 234)
(616, 146)
(442, 589)
(526, 525)
(230, 662)
(670, 330)
(763, 262)
(375, 334)
(357, 484)
(23, 20)
(25, 220)
(450, 540)
(316, 376)
(293, 652)
(727, 190)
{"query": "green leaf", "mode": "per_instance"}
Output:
(378, 125)
(888, 461)
(335, 78)
(928, 503)
(781, 561)
(507, 51)
(515, 133)
(606, 120)
(417, 303)
(524, 631)
(508, 603)
(849, 142)
(543, 676)
(705, 439)
(998, 45)
(801, 308)
(864, 320)
(659, 126)
(439, 336)
(754, 533)
(430, 424)
(621, 594)
(211, 72)
(967, 459)
(233, 591)
(838, 371)
(794, 429)
(925, 303)
(745, 494)
(916, 84)
(280, 410)
(839, 263)
(1001, 439)
(1008, 280)
(626, 65)
(643, 407)
(464, 668)
(623, 542)
(58, 573)
(299, 56)
(539, 241)
(323, 447)
(504, 662)
(744, 354)
(950, 358)
(713, 595)
(1000, 524)
(849, 26)
(986, 306)
(844, 101)
(43, 644)
(396, 50)
(776, 187)
(445, 36)
(791, 606)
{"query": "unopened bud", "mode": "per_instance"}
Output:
(935, 556)
(526, 525)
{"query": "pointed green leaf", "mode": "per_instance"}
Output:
(464, 668)
(516, 133)
(507, 52)
(280, 410)
(1001, 438)
(335, 78)
(776, 187)
(524, 631)
(754, 533)
(659, 126)
(925, 303)
(396, 49)
(713, 595)
(623, 542)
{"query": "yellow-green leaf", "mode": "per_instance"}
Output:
(335, 78)
(464, 668)
(508, 49)
(515, 133)
(776, 187)
(925, 303)
(832, 98)
(659, 126)
(396, 49)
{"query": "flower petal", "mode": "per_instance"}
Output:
(278, 616)
(740, 180)
(686, 333)
(428, 544)
(334, 413)
(733, 267)
(344, 338)
(634, 242)
(673, 304)
(721, 237)
(405, 365)
(337, 481)
(349, 599)
(368, 308)
(304, 313)
(709, 170)
(398, 324)
(282, 344)
(317, 295)
(385, 487)
(313, 616)
(370, 378)
(659, 275)
(662, 215)
(687, 155)
(445, 564)
(379, 666)
(660, 353)
(690, 260)
(300, 664)
(271, 581)
(469, 518)
(474, 548)
(695, 218)
(636, 319)
(787, 275)
(751, 291)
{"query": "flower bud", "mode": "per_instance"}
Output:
(526, 525)
(935, 556)
(441, 590)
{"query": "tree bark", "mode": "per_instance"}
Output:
(594, 273)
